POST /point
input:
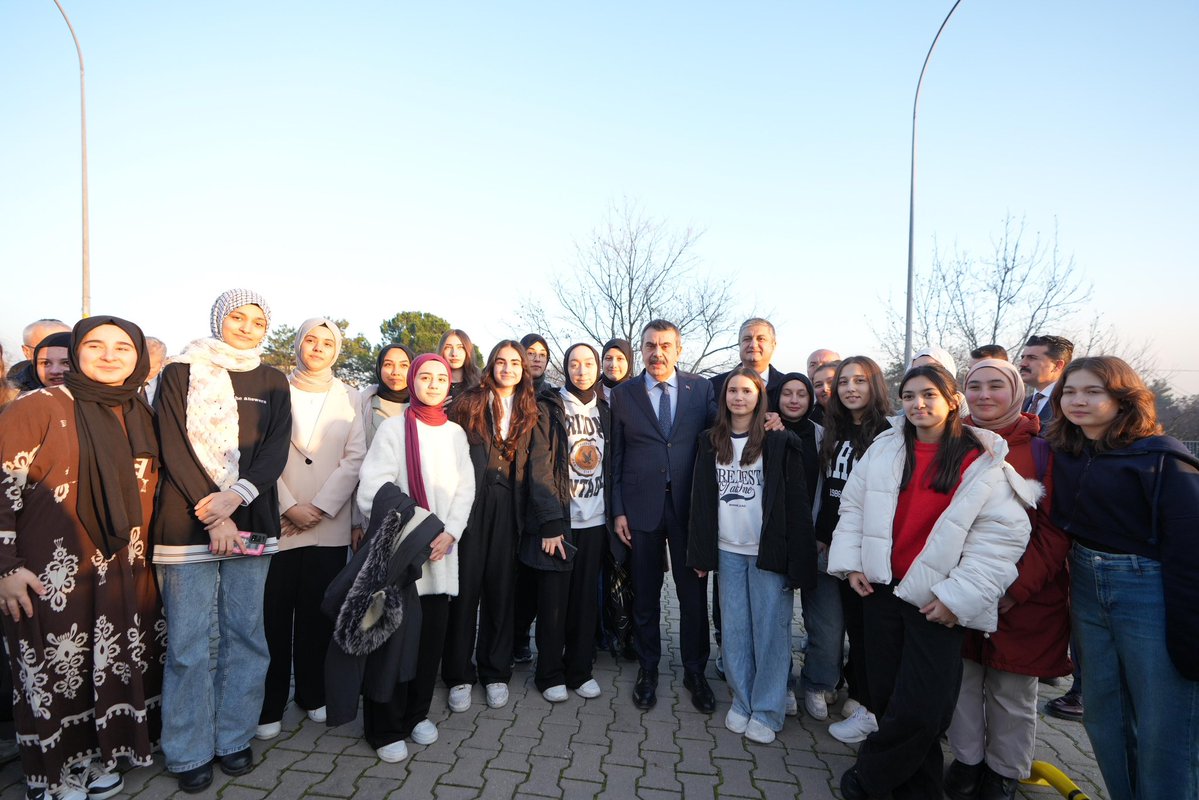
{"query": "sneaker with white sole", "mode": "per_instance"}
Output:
(849, 706)
(588, 690)
(425, 732)
(393, 753)
(460, 697)
(554, 694)
(100, 783)
(757, 732)
(792, 704)
(735, 722)
(855, 729)
(319, 714)
(268, 731)
(497, 695)
(815, 704)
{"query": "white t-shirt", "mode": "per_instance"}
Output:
(306, 413)
(739, 515)
(585, 457)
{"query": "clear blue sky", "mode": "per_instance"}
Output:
(359, 159)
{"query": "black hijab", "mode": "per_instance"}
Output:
(803, 427)
(384, 391)
(623, 346)
(60, 339)
(582, 395)
(109, 503)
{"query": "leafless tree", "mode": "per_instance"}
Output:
(1020, 289)
(630, 270)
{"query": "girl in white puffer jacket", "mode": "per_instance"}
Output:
(932, 524)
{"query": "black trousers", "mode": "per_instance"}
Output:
(297, 633)
(915, 672)
(394, 720)
(691, 590)
(567, 607)
(481, 616)
(526, 604)
(855, 662)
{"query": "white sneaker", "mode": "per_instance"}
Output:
(68, 791)
(497, 695)
(792, 704)
(319, 714)
(268, 731)
(855, 729)
(816, 705)
(735, 722)
(393, 753)
(849, 706)
(588, 690)
(460, 697)
(425, 732)
(555, 694)
(757, 732)
(100, 783)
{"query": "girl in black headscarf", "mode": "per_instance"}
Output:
(616, 623)
(82, 615)
(388, 395)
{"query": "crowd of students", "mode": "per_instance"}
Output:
(362, 543)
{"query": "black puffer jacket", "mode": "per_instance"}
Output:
(788, 543)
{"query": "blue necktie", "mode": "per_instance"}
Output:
(664, 409)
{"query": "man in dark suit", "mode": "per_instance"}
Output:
(756, 347)
(656, 421)
(1041, 365)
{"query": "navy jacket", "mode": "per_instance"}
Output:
(644, 461)
(1144, 500)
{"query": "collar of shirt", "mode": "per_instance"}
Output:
(652, 383)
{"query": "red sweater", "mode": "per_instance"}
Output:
(918, 509)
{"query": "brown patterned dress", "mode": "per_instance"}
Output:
(87, 667)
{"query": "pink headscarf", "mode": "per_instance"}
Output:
(1008, 370)
(430, 415)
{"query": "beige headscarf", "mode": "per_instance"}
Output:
(1008, 370)
(308, 380)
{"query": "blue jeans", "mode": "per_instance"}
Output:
(826, 631)
(755, 608)
(207, 713)
(1142, 716)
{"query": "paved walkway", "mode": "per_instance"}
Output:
(579, 749)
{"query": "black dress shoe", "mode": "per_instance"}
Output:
(196, 780)
(701, 693)
(645, 691)
(851, 786)
(628, 652)
(238, 763)
(997, 787)
(963, 781)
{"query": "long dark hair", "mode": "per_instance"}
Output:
(470, 370)
(956, 439)
(838, 420)
(1136, 419)
(722, 431)
(470, 411)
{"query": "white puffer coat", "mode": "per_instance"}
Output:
(970, 557)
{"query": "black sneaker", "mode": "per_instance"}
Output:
(522, 654)
(1068, 706)
(997, 787)
(963, 781)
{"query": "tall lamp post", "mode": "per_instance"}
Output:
(907, 336)
(87, 275)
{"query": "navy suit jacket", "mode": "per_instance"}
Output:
(644, 460)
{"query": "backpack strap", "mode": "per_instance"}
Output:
(1040, 457)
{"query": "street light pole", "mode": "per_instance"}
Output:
(87, 275)
(907, 336)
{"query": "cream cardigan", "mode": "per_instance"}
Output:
(970, 557)
(449, 480)
(336, 449)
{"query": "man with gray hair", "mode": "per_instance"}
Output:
(23, 375)
(157, 350)
(755, 342)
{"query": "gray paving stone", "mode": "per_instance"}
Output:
(699, 787)
(341, 782)
(580, 790)
(468, 768)
(735, 780)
